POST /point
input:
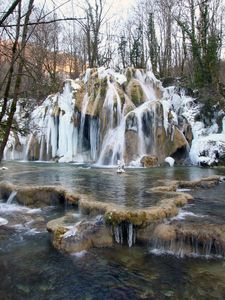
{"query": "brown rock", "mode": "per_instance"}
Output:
(149, 161)
(83, 236)
(164, 232)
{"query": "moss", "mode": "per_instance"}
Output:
(136, 94)
(129, 74)
(58, 234)
(114, 218)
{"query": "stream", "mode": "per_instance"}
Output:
(30, 267)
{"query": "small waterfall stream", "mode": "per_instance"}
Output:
(113, 144)
(147, 87)
(11, 197)
(83, 116)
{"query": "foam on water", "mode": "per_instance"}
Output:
(10, 208)
(3, 221)
(183, 214)
(79, 254)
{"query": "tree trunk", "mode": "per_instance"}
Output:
(12, 65)
(18, 81)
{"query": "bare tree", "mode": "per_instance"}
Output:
(12, 110)
(95, 18)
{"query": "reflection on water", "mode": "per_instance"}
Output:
(31, 269)
(34, 270)
(129, 189)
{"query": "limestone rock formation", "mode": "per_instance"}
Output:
(103, 117)
(81, 236)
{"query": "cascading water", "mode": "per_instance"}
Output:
(94, 138)
(11, 197)
(68, 133)
(83, 116)
(101, 120)
(113, 143)
(146, 85)
(187, 246)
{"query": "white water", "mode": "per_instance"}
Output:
(113, 143)
(3, 221)
(11, 208)
(83, 115)
(55, 123)
(11, 197)
(94, 137)
(147, 87)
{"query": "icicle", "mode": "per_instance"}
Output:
(130, 235)
(117, 234)
(83, 116)
(113, 143)
(94, 136)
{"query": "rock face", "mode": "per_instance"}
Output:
(103, 118)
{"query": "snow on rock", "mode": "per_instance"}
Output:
(3, 221)
(170, 161)
(103, 73)
(54, 125)
(206, 150)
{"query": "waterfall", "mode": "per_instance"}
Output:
(11, 197)
(146, 85)
(41, 158)
(52, 135)
(28, 147)
(141, 144)
(94, 137)
(97, 120)
(67, 129)
(189, 245)
(113, 143)
(82, 121)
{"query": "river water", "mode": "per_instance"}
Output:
(30, 268)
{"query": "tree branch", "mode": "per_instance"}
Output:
(44, 22)
(9, 11)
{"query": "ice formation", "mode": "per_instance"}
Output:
(107, 116)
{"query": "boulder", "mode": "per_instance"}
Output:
(82, 236)
(149, 161)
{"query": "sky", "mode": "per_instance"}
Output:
(118, 8)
